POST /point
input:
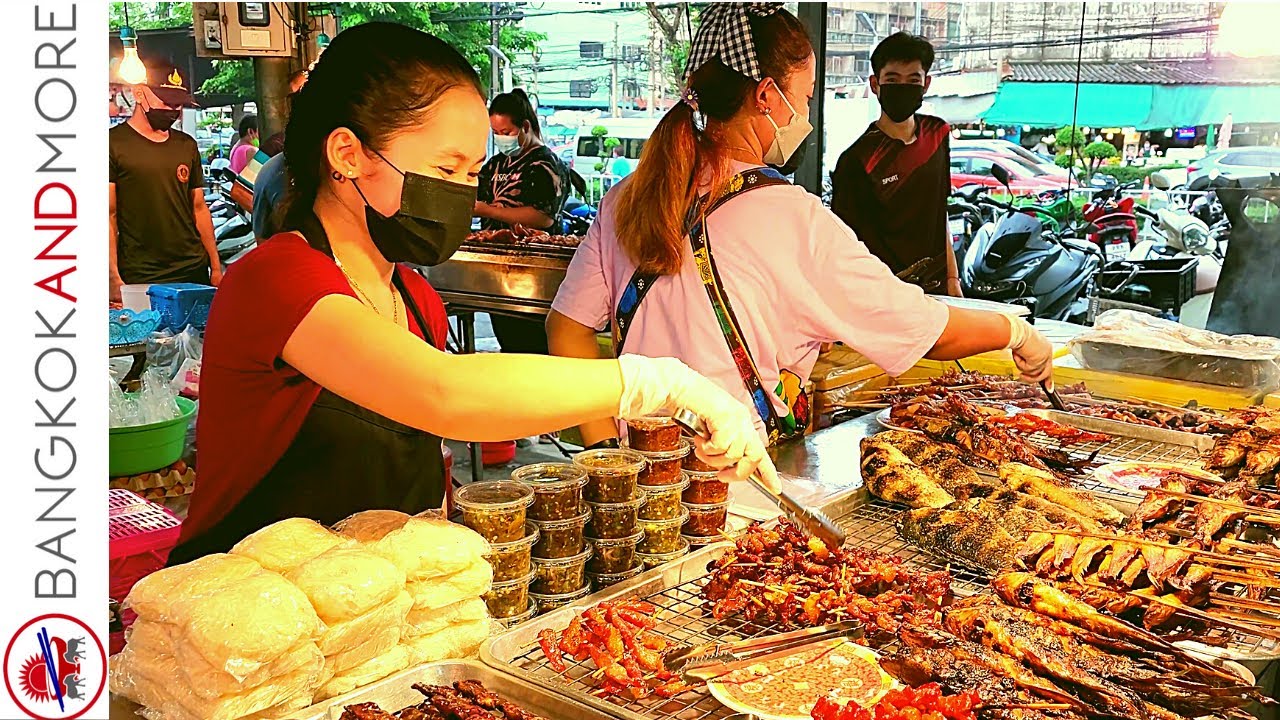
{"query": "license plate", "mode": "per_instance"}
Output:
(957, 226)
(1117, 251)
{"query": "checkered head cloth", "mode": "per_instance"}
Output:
(725, 33)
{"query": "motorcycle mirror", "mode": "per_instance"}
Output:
(1000, 174)
(1160, 180)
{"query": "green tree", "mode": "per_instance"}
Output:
(673, 22)
(1096, 153)
(445, 20)
(1068, 139)
(601, 134)
(231, 77)
(151, 15)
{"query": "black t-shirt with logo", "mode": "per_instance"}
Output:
(894, 196)
(156, 239)
(536, 179)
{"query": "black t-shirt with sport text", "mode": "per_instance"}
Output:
(536, 178)
(156, 236)
(894, 197)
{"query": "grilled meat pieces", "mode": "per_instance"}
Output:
(1037, 482)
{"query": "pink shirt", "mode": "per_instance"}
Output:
(796, 276)
(241, 156)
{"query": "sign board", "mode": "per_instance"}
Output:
(1186, 133)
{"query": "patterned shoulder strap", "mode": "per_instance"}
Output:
(638, 286)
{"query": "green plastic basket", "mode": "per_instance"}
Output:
(143, 448)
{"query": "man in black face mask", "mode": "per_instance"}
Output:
(891, 185)
(160, 228)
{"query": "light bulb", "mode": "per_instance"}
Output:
(1168, 133)
(131, 69)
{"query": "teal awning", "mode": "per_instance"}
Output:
(1049, 104)
(1145, 107)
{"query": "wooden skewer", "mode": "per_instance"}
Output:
(1245, 579)
(1190, 611)
(1204, 554)
(1264, 621)
(1260, 548)
(1261, 512)
(1232, 600)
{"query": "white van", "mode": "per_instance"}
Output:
(633, 132)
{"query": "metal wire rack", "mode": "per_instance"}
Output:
(1118, 449)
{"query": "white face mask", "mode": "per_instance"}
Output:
(506, 144)
(788, 138)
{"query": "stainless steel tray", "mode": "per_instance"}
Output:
(396, 692)
(500, 281)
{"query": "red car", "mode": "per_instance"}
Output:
(974, 166)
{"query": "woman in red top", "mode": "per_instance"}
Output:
(325, 391)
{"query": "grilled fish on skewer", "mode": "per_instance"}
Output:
(892, 476)
(1005, 510)
(1157, 505)
(963, 535)
(1038, 482)
(942, 464)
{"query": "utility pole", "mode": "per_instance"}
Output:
(653, 67)
(495, 81)
(918, 8)
(613, 75)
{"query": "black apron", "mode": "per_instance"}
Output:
(344, 459)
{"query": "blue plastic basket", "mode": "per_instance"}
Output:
(129, 326)
(182, 304)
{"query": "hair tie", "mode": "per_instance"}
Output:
(725, 34)
(690, 97)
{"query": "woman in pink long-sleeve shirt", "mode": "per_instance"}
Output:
(747, 289)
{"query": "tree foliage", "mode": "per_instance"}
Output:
(232, 77)
(1096, 153)
(151, 15)
(470, 37)
(1068, 138)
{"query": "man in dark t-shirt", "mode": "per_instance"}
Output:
(160, 228)
(891, 185)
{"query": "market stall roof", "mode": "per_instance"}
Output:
(1143, 95)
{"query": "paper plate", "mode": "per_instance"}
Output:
(787, 688)
(1138, 476)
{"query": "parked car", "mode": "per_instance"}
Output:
(564, 152)
(631, 132)
(1005, 147)
(1237, 162)
(974, 166)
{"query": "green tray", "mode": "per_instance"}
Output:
(143, 448)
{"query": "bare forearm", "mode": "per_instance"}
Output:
(524, 215)
(113, 263)
(385, 369)
(569, 338)
(970, 332)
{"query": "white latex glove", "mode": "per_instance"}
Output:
(1032, 352)
(651, 385)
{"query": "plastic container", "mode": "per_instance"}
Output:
(515, 620)
(653, 434)
(616, 555)
(1172, 281)
(129, 327)
(557, 489)
(611, 474)
(181, 304)
(600, 581)
(697, 543)
(143, 448)
(560, 538)
(653, 560)
(547, 603)
(611, 521)
(663, 468)
(693, 464)
(662, 536)
(509, 599)
(706, 520)
(705, 489)
(135, 297)
(495, 509)
(662, 502)
(514, 559)
(565, 575)
(493, 454)
(141, 534)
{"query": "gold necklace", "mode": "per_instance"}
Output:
(395, 302)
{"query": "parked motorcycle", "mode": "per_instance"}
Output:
(965, 217)
(1179, 234)
(1017, 260)
(1118, 226)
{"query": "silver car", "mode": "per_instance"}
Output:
(1237, 162)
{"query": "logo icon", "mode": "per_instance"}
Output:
(184, 173)
(55, 668)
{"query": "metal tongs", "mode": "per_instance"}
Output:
(1054, 400)
(811, 521)
(711, 660)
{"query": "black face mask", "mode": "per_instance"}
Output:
(901, 100)
(793, 163)
(162, 119)
(433, 220)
